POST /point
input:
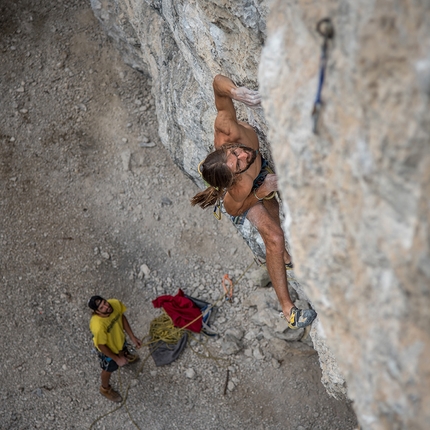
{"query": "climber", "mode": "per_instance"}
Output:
(238, 175)
(107, 324)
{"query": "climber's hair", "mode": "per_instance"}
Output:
(215, 172)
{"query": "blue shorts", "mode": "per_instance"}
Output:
(265, 170)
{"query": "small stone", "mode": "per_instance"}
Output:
(258, 354)
(259, 277)
(105, 255)
(248, 352)
(165, 201)
(144, 271)
(38, 392)
(275, 363)
(190, 373)
(146, 145)
(126, 160)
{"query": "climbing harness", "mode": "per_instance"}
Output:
(272, 194)
(326, 30)
(217, 213)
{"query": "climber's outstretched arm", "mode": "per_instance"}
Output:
(225, 90)
(227, 127)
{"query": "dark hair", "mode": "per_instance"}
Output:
(215, 172)
(94, 302)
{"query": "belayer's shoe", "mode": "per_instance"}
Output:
(300, 318)
(111, 394)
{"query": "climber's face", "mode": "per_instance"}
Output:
(104, 309)
(240, 159)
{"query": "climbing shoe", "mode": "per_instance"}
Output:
(111, 394)
(300, 318)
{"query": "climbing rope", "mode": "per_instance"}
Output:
(326, 30)
(163, 329)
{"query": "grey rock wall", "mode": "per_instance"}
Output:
(356, 196)
(358, 192)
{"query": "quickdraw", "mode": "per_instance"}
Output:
(217, 210)
(228, 291)
(326, 30)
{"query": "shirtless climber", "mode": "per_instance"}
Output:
(237, 174)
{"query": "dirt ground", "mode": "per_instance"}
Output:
(88, 196)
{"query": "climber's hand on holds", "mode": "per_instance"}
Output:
(246, 96)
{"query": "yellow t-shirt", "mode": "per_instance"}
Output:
(109, 331)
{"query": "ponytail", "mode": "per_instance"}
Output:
(217, 177)
(208, 197)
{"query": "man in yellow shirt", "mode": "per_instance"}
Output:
(107, 325)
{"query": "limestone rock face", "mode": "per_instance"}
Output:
(355, 195)
(358, 192)
(182, 45)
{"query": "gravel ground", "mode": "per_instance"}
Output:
(89, 201)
